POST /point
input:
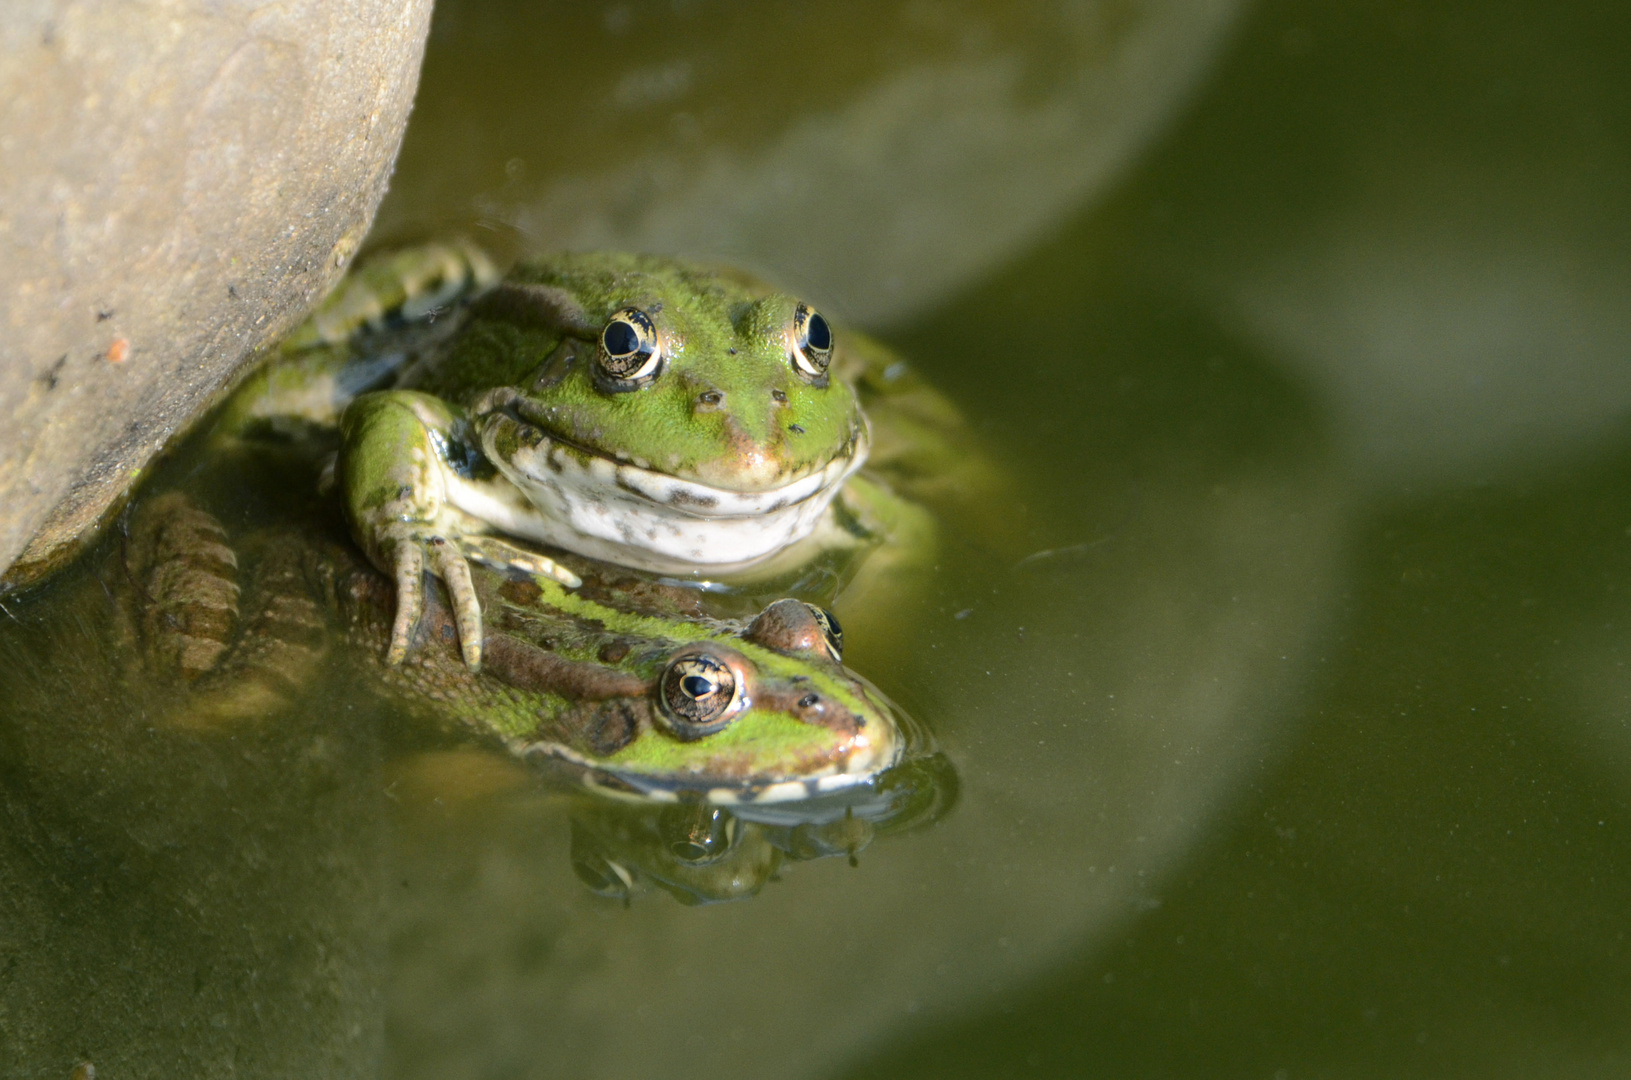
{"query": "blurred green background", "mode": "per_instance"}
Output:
(1293, 736)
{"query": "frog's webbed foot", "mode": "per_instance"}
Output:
(409, 561)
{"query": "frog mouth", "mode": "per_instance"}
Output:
(850, 771)
(627, 513)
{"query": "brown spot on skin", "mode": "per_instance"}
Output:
(614, 726)
(642, 597)
(119, 351)
(614, 651)
(681, 497)
(745, 463)
(522, 592)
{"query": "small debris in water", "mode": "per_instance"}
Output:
(1073, 551)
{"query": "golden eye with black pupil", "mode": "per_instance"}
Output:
(699, 694)
(630, 354)
(830, 630)
(812, 344)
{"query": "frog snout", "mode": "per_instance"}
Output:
(744, 462)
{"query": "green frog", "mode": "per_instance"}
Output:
(637, 699)
(674, 418)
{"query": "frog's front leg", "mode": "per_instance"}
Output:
(395, 473)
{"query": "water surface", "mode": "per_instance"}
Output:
(1290, 713)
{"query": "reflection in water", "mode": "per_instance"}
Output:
(219, 891)
(704, 854)
(1098, 703)
(1418, 212)
(1433, 879)
(177, 903)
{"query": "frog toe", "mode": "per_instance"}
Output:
(409, 569)
(450, 564)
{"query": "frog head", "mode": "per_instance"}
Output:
(688, 710)
(667, 415)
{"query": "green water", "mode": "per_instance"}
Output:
(1293, 740)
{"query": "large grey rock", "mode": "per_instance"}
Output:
(178, 183)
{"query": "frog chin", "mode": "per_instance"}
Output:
(620, 512)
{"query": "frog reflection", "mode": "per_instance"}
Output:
(702, 854)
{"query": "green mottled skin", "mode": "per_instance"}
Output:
(238, 653)
(704, 315)
(728, 411)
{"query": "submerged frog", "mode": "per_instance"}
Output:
(648, 412)
(636, 702)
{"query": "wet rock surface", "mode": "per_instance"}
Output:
(177, 186)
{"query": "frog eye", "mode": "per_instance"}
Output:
(699, 694)
(830, 629)
(812, 344)
(630, 354)
(794, 628)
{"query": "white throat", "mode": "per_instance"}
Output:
(648, 520)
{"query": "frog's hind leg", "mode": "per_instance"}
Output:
(186, 579)
(284, 637)
(383, 314)
(394, 287)
(234, 653)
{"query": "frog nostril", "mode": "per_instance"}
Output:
(779, 395)
(710, 398)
